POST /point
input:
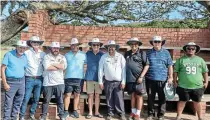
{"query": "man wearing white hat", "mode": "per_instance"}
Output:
(13, 79)
(160, 71)
(33, 74)
(91, 76)
(137, 65)
(112, 66)
(190, 70)
(76, 62)
(54, 64)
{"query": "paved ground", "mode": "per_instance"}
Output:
(168, 116)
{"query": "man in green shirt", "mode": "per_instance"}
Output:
(190, 70)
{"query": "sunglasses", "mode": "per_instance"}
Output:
(157, 41)
(34, 42)
(133, 44)
(190, 48)
(95, 45)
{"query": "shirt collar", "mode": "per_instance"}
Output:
(153, 49)
(34, 51)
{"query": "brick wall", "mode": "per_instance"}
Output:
(39, 25)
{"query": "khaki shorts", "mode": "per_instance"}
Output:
(93, 86)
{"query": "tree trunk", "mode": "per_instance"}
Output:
(13, 24)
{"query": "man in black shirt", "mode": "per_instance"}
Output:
(136, 67)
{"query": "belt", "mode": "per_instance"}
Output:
(34, 77)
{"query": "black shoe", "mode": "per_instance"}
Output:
(21, 118)
(149, 118)
(122, 117)
(161, 118)
(109, 117)
(75, 114)
(32, 117)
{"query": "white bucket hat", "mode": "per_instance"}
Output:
(34, 39)
(112, 42)
(157, 38)
(192, 44)
(55, 44)
(74, 41)
(134, 39)
(21, 43)
(95, 40)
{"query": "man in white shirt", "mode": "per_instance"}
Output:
(54, 64)
(33, 76)
(112, 66)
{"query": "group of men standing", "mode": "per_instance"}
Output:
(26, 72)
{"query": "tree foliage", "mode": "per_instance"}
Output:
(196, 24)
(96, 12)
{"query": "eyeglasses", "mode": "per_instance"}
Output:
(34, 42)
(190, 48)
(133, 44)
(95, 45)
(157, 41)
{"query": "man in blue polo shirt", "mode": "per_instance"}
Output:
(160, 71)
(76, 62)
(91, 76)
(12, 74)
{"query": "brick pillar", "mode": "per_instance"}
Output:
(37, 25)
(203, 105)
(81, 106)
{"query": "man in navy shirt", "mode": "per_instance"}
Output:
(91, 76)
(136, 67)
(160, 71)
(12, 74)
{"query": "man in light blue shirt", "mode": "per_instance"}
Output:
(13, 69)
(91, 76)
(112, 66)
(76, 62)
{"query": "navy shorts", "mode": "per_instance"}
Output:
(187, 94)
(130, 88)
(72, 85)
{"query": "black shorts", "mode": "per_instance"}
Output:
(187, 94)
(130, 88)
(72, 85)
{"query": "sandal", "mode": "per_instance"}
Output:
(89, 116)
(99, 116)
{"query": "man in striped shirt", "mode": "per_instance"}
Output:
(160, 71)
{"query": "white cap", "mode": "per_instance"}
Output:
(55, 44)
(157, 38)
(21, 43)
(74, 41)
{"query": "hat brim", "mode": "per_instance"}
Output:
(29, 42)
(90, 43)
(129, 42)
(117, 47)
(19, 46)
(76, 44)
(197, 48)
(163, 42)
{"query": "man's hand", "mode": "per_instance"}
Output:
(6, 87)
(170, 81)
(101, 86)
(205, 85)
(175, 84)
(122, 86)
(140, 80)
